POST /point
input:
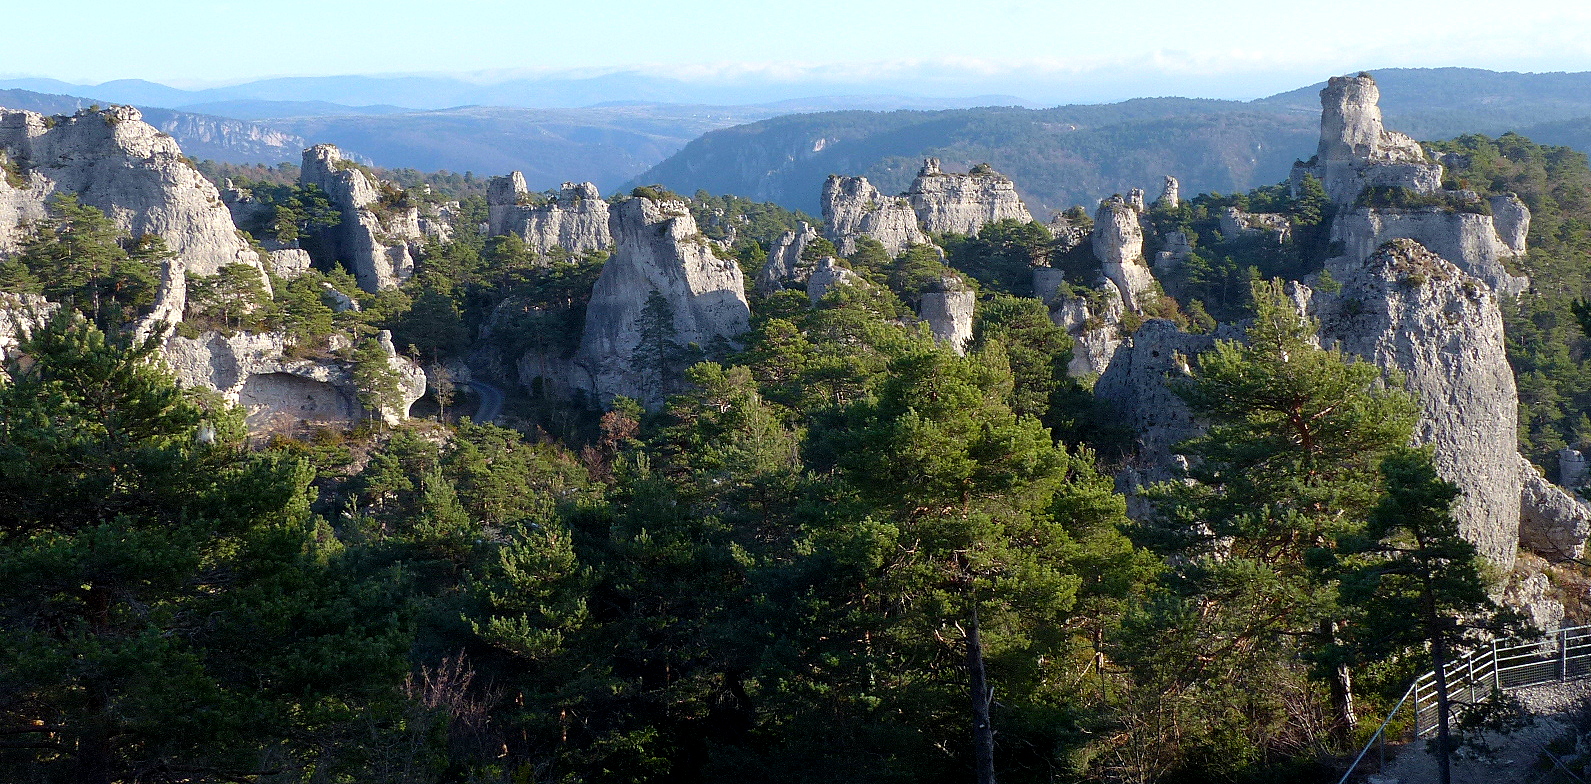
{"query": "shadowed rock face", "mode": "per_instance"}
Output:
(372, 242)
(278, 393)
(657, 248)
(575, 220)
(962, 203)
(114, 161)
(785, 267)
(853, 208)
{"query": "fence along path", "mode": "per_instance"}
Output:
(1561, 655)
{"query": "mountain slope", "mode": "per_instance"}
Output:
(199, 135)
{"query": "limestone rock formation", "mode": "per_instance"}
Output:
(962, 203)
(1175, 249)
(288, 263)
(20, 314)
(278, 393)
(948, 309)
(826, 275)
(1511, 219)
(658, 248)
(1356, 152)
(853, 208)
(1408, 309)
(1235, 222)
(575, 220)
(374, 238)
(1047, 283)
(785, 267)
(1170, 194)
(1551, 521)
(1469, 240)
(1118, 240)
(1574, 468)
(114, 161)
(1137, 384)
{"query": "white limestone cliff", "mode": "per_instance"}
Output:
(1118, 242)
(575, 220)
(785, 267)
(853, 208)
(657, 248)
(374, 239)
(948, 307)
(947, 202)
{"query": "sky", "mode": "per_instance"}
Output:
(1240, 49)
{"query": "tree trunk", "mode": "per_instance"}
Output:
(1443, 746)
(982, 695)
(1341, 685)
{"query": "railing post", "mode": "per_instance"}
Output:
(1497, 673)
(1563, 654)
(1470, 681)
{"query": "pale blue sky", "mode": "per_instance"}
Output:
(1146, 42)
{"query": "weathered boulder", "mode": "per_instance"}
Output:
(1093, 323)
(1235, 222)
(946, 202)
(276, 392)
(826, 275)
(575, 220)
(373, 240)
(1551, 522)
(1118, 240)
(853, 208)
(114, 161)
(288, 263)
(20, 314)
(1408, 309)
(948, 309)
(1511, 220)
(1170, 194)
(658, 248)
(785, 267)
(1574, 468)
(1175, 249)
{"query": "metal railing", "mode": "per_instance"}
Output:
(1563, 655)
(1560, 655)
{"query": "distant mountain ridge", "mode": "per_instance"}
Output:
(200, 135)
(1079, 154)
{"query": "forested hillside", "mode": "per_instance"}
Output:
(814, 562)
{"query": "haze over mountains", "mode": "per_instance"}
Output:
(764, 140)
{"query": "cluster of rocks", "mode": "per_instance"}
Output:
(113, 161)
(1416, 292)
(375, 241)
(576, 219)
(937, 202)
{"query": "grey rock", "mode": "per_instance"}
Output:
(1170, 194)
(853, 208)
(826, 275)
(20, 314)
(948, 310)
(1408, 309)
(1138, 385)
(1175, 250)
(1235, 222)
(947, 202)
(1356, 152)
(1047, 283)
(1118, 242)
(288, 263)
(1574, 468)
(1466, 239)
(1551, 521)
(374, 243)
(575, 220)
(657, 248)
(1511, 219)
(340, 302)
(1135, 199)
(280, 394)
(785, 267)
(136, 175)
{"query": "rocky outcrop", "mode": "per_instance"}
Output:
(948, 308)
(946, 202)
(826, 275)
(1170, 194)
(575, 220)
(1047, 283)
(1137, 385)
(288, 263)
(20, 314)
(1551, 522)
(1235, 222)
(1574, 468)
(785, 267)
(1408, 309)
(1467, 239)
(1356, 152)
(658, 248)
(114, 161)
(853, 208)
(1118, 240)
(1511, 220)
(375, 236)
(278, 393)
(1175, 248)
